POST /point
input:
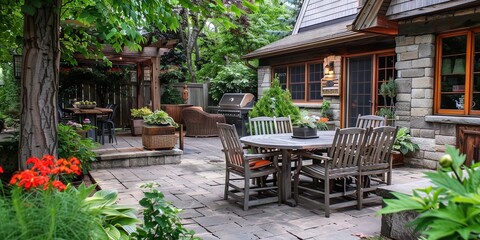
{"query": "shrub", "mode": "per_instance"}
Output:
(450, 208)
(140, 112)
(275, 102)
(233, 78)
(71, 144)
(160, 117)
(160, 218)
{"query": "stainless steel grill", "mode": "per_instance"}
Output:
(235, 108)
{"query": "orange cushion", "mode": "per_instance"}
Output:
(259, 163)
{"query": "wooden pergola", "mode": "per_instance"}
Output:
(149, 56)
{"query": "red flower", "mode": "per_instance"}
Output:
(58, 185)
(42, 171)
(1, 170)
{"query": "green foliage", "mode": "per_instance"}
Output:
(450, 209)
(388, 89)
(48, 214)
(71, 144)
(223, 46)
(160, 218)
(171, 95)
(388, 112)
(9, 95)
(233, 78)
(325, 110)
(113, 221)
(275, 102)
(140, 112)
(309, 121)
(403, 142)
(159, 117)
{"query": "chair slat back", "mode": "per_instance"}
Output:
(368, 121)
(379, 145)
(347, 147)
(283, 124)
(231, 145)
(262, 125)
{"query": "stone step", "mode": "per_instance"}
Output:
(135, 157)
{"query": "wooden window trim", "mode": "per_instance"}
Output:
(469, 60)
(307, 78)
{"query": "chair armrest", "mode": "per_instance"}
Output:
(314, 156)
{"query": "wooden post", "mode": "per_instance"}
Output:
(155, 83)
(140, 95)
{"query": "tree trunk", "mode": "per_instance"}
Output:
(41, 61)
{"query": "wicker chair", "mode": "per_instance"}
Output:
(199, 123)
(247, 167)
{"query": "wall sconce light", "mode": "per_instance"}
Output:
(329, 69)
(17, 66)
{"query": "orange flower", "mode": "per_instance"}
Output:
(323, 120)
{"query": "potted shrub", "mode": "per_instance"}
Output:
(389, 91)
(327, 115)
(402, 146)
(136, 123)
(159, 131)
(307, 126)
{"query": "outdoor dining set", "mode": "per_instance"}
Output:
(337, 169)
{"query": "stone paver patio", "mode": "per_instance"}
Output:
(196, 185)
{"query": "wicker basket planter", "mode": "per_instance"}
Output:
(159, 137)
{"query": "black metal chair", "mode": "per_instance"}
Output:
(107, 127)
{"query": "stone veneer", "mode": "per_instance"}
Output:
(415, 66)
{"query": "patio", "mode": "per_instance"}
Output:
(197, 183)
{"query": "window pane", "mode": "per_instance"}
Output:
(297, 82)
(281, 74)
(453, 64)
(314, 81)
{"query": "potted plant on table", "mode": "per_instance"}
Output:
(159, 131)
(402, 146)
(136, 122)
(308, 125)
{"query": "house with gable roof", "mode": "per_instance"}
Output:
(343, 51)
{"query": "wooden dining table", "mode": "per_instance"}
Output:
(287, 144)
(90, 113)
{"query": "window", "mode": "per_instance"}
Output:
(302, 80)
(385, 72)
(458, 73)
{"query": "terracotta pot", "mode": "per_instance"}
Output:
(136, 126)
(397, 158)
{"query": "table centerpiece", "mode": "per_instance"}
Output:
(308, 125)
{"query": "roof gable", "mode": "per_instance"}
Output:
(320, 12)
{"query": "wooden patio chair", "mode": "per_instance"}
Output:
(262, 125)
(376, 161)
(247, 167)
(340, 164)
(283, 124)
(367, 121)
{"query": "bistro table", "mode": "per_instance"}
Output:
(90, 113)
(286, 143)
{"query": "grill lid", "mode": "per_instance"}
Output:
(237, 100)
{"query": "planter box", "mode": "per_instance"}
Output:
(397, 158)
(136, 126)
(301, 132)
(159, 137)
